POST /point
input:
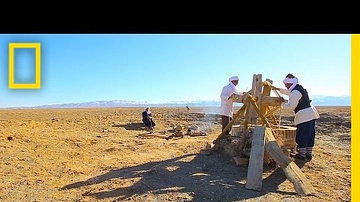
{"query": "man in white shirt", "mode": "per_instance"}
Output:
(226, 110)
(305, 116)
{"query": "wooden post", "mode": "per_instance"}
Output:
(246, 125)
(266, 92)
(272, 101)
(246, 121)
(256, 91)
(264, 107)
(255, 171)
(256, 161)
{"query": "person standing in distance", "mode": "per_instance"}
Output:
(226, 110)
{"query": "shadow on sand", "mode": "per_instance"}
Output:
(198, 176)
(131, 126)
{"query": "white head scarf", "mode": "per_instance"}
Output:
(293, 81)
(233, 78)
(147, 109)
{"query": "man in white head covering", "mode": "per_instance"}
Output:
(147, 119)
(226, 110)
(305, 116)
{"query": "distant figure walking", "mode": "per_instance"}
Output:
(148, 119)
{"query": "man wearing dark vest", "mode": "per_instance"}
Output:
(305, 116)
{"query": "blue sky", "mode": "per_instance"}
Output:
(159, 68)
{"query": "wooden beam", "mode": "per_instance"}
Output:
(264, 107)
(271, 111)
(238, 114)
(271, 101)
(257, 109)
(276, 92)
(256, 161)
(293, 173)
(257, 85)
(254, 178)
(239, 98)
(243, 140)
(269, 83)
(275, 122)
(246, 121)
(266, 92)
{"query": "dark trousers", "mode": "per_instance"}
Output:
(224, 121)
(305, 134)
(149, 123)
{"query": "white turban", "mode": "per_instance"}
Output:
(233, 78)
(290, 80)
(294, 82)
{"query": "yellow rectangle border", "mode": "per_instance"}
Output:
(12, 84)
(355, 123)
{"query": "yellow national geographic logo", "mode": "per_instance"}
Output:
(12, 83)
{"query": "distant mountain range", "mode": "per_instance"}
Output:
(319, 100)
(316, 101)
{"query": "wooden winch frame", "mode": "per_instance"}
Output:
(258, 107)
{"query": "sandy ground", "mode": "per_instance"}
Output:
(107, 155)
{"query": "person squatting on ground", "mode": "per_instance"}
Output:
(226, 110)
(148, 119)
(305, 116)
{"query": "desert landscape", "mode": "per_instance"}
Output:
(106, 154)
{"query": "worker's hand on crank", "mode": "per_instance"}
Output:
(231, 96)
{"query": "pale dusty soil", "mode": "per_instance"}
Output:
(107, 155)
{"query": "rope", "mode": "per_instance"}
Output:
(278, 94)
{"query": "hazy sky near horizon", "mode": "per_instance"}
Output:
(159, 68)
